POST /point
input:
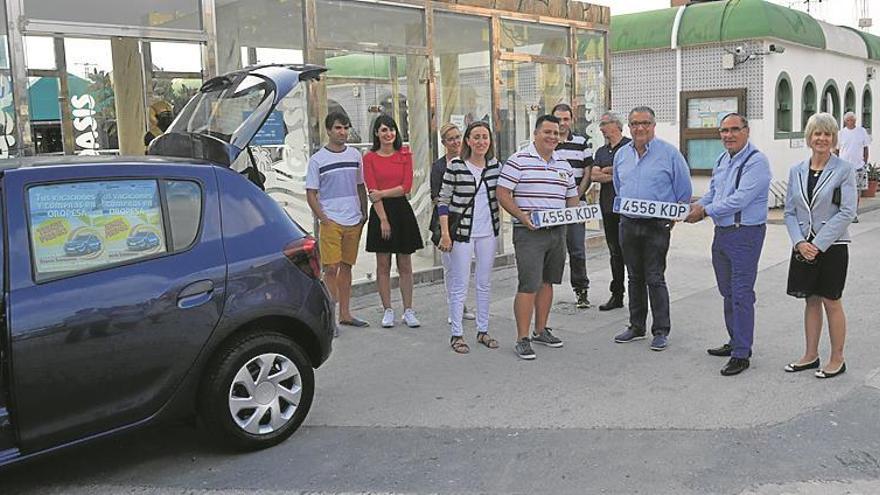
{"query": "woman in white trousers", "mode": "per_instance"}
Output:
(469, 226)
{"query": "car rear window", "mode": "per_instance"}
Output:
(83, 226)
(184, 200)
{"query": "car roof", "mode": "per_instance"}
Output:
(77, 160)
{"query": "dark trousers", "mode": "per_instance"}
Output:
(735, 254)
(645, 243)
(611, 225)
(575, 240)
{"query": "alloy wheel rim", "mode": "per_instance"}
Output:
(265, 394)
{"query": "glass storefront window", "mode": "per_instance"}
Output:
(177, 14)
(366, 85)
(91, 96)
(259, 31)
(461, 59)
(8, 128)
(176, 57)
(174, 75)
(529, 90)
(45, 115)
(40, 52)
(534, 39)
(369, 24)
(590, 96)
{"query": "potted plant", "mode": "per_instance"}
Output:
(873, 176)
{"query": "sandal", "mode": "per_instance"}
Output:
(459, 345)
(486, 340)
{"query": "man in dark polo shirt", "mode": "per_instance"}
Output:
(578, 152)
(602, 172)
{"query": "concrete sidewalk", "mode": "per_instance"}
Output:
(405, 377)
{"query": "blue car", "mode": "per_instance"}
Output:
(82, 245)
(142, 241)
(228, 323)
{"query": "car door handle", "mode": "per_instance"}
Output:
(195, 294)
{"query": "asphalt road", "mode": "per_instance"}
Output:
(397, 411)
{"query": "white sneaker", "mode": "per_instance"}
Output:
(388, 318)
(468, 315)
(409, 316)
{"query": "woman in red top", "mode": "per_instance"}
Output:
(392, 228)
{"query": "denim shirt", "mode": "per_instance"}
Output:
(724, 199)
(662, 174)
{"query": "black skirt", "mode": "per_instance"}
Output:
(826, 277)
(405, 235)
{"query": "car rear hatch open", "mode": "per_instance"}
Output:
(219, 122)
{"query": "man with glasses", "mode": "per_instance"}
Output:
(578, 152)
(450, 137)
(737, 203)
(648, 170)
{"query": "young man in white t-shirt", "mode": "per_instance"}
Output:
(852, 146)
(336, 194)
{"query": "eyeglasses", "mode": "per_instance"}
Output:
(641, 123)
(453, 138)
(730, 130)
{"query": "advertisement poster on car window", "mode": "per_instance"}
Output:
(80, 226)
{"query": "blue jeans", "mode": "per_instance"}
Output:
(735, 254)
(645, 243)
(575, 239)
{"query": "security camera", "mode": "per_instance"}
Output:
(739, 50)
(775, 48)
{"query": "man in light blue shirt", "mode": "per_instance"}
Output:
(737, 203)
(648, 169)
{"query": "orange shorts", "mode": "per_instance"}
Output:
(338, 243)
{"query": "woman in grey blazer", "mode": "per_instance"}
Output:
(819, 206)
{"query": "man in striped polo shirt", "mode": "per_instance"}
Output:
(578, 152)
(536, 179)
(337, 197)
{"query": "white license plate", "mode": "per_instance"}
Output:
(565, 216)
(651, 209)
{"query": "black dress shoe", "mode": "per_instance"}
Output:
(735, 366)
(722, 351)
(615, 302)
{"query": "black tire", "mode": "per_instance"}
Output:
(216, 390)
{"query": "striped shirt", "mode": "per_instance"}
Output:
(536, 184)
(336, 176)
(457, 193)
(578, 152)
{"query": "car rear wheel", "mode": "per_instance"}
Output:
(257, 391)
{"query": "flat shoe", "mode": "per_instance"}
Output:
(354, 322)
(794, 367)
(831, 374)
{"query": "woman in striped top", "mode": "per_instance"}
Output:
(468, 194)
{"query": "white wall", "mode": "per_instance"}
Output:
(800, 62)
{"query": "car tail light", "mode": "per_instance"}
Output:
(304, 254)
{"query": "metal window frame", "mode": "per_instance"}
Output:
(18, 26)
